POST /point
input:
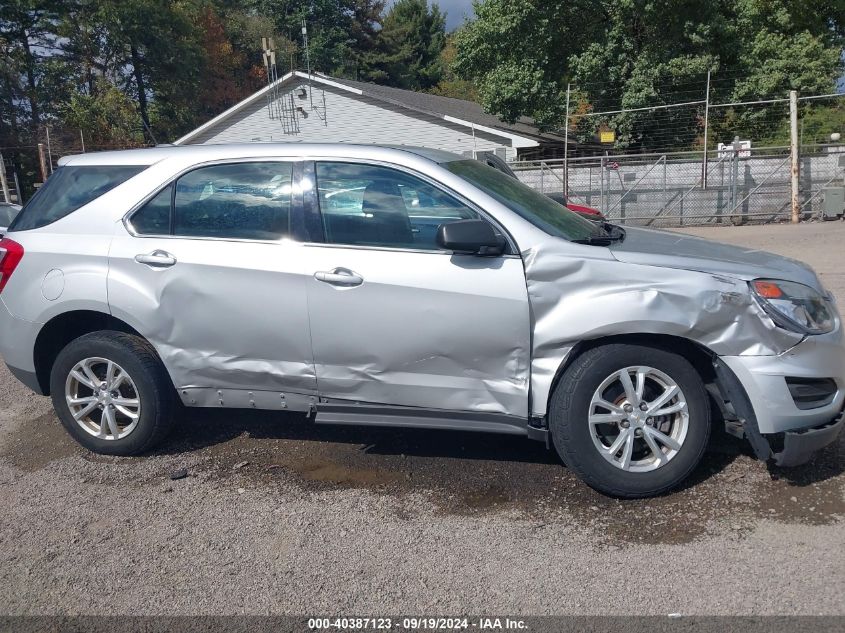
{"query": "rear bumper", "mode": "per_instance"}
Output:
(17, 342)
(28, 378)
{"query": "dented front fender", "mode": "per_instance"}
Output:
(575, 298)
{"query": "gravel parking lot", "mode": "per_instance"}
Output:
(277, 516)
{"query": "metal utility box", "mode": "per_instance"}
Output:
(834, 202)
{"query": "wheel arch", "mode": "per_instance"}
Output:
(64, 328)
(700, 356)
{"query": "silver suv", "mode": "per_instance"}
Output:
(405, 287)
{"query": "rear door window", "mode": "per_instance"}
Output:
(68, 189)
(250, 200)
(154, 217)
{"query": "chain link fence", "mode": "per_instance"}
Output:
(738, 179)
(743, 185)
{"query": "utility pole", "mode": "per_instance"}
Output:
(734, 172)
(49, 149)
(706, 124)
(566, 146)
(793, 152)
(43, 162)
(7, 197)
(17, 186)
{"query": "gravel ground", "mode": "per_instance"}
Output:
(279, 517)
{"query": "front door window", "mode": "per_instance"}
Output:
(369, 205)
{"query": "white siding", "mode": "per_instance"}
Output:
(351, 118)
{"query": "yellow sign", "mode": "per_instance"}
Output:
(607, 136)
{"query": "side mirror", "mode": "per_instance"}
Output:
(472, 237)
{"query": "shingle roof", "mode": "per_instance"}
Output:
(445, 106)
(459, 110)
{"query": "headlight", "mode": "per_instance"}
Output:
(794, 306)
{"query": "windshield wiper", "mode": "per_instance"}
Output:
(612, 233)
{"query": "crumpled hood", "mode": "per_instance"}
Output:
(674, 250)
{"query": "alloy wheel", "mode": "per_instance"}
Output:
(638, 418)
(103, 398)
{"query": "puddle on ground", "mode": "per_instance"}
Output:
(331, 472)
(486, 499)
(463, 474)
(808, 494)
(38, 443)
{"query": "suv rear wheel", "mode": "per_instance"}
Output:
(631, 421)
(112, 393)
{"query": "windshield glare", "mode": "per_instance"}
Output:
(541, 211)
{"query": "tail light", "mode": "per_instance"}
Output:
(11, 254)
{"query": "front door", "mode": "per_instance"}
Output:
(208, 274)
(395, 320)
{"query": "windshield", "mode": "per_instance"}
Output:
(7, 214)
(68, 189)
(541, 211)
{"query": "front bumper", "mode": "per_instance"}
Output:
(764, 380)
(757, 389)
(799, 446)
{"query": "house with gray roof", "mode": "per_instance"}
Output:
(316, 108)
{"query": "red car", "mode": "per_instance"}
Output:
(587, 212)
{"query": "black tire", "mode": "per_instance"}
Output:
(569, 411)
(154, 390)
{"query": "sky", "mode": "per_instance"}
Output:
(455, 11)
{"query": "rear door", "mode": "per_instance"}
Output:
(207, 271)
(397, 321)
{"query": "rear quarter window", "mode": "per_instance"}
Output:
(68, 189)
(7, 214)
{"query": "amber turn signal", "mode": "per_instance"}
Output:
(768, 289)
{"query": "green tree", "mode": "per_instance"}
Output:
(772, 47)
(106, 115)
(650, 53)
(25, 32)
(451, 85)
(410, 43)
(643, 53)
(231, 68)
(517, 52)
(158, 42)
(364, 37)
(27, 43)
(335, 27)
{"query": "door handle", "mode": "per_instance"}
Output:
(157, 259)
(339, 277)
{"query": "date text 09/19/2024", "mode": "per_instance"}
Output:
(416, 623)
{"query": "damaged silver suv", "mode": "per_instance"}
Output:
(405, 287)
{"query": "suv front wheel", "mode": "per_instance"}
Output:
(112, 393)
(630, 420)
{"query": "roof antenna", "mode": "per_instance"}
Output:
(278, 105)
(321, 115)
(307, 61)
(268, 51)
